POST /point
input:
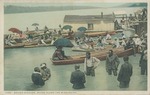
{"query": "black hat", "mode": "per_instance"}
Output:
(36, 69)
(77, 66)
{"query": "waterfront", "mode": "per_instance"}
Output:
(19, 62)
(52, 19)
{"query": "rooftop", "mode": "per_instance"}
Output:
(88, 18)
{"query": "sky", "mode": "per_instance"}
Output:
(66, 4)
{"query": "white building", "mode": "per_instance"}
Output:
(91, 22)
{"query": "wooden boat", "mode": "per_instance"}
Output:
(100, 55)
(40, 45)
(29, 44)
(81, 49)
(84, 49)
(18, 45)
(90, 34)
(95, 34)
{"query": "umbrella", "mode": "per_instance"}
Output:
(79, 34)
(83, 29)
(35, 24)
(63, 42)
(67, 27)
(15, 30)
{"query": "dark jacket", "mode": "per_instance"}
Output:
(78, 79)
(112, 62)
(143, 59)
(37, 79)
(58, 55)
(125, 72)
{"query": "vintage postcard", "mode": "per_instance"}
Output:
(74, 47)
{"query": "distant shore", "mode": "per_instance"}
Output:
(11, 9)
(21, 9)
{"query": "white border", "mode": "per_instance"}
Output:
(2, 92)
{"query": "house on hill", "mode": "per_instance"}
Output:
(91, 22)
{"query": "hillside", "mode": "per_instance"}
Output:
(133, 5)
(21, 9)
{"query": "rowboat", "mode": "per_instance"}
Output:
(95, 34)
(100, 55)
(91, 34)
(29, 44)
(78, 48)
(18, 45)
(81, 49)
(39, 45)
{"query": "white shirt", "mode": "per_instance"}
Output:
(116, 42)
(43, 42)
(123, 43)
(108, 36)
(93, 61)
(137, 41)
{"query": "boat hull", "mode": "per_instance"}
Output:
(100, 55)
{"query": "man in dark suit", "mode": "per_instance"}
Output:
(37, 77)
(143, 61)
(77, 78)
(125, 73)
(112, 63)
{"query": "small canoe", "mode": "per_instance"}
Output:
(40, 45)
(100, 55)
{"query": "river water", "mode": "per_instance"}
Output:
(19, 63)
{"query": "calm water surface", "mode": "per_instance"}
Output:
(19, 64)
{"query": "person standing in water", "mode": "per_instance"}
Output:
(90, 64)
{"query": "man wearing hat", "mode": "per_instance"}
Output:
(46, 74)
(77, 78)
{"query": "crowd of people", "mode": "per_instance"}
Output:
(39, 36)
(78, 77)
(101, 42)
